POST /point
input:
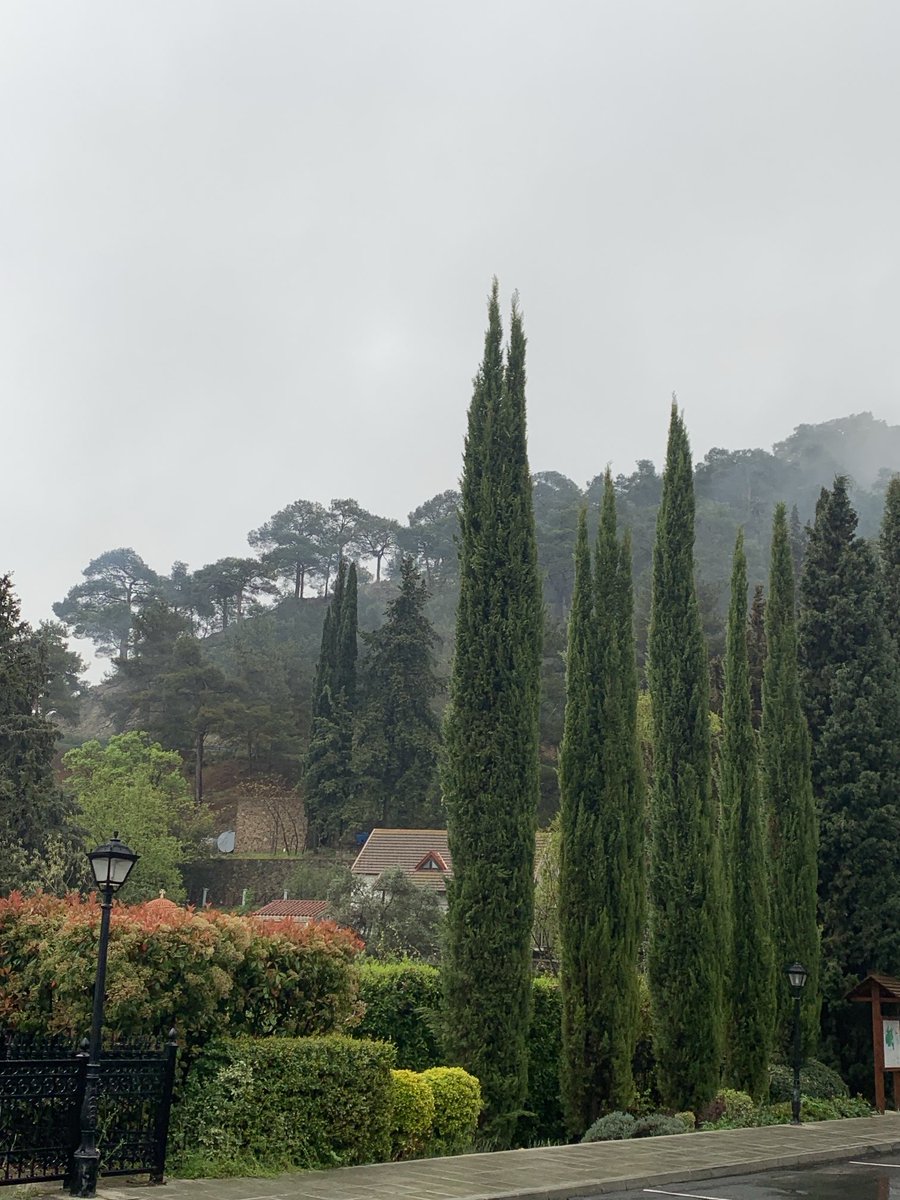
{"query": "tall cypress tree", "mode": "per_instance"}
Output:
(328, 775)
(751, 983)
(889, 548)
(756, 650)
(583, 925)
(601, 860)
(825, 629)
(491, 769)
(788, 794)
(686, 891)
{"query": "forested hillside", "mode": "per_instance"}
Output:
(219, 662)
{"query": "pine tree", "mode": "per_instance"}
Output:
(686, 890)
(329, 782)
(491, 769)
(601, 855)
(859, 762)
(32, 808)
(750, 1009)
(889, 547)
(398, 732)
(788, 795)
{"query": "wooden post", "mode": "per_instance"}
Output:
(878, 1045)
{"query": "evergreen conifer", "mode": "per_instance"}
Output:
(398, 732)
(491, 768)
(601, 852)
(788, 796)
(750, 1009)
(686, 891)
(328, 777)
(889, 547)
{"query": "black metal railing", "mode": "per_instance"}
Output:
(42, 1083)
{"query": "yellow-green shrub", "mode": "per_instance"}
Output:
(412, 1114)
(457, 1105)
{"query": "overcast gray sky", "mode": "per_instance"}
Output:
(245, 247)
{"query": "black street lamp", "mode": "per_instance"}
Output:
(111, 864)
(797, 976)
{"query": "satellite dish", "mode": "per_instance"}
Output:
(225, 842)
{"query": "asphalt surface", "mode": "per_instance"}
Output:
(872, 1178)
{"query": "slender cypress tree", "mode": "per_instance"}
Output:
(328, 774)
(756, 650)
(825, 629)
(788, 794)
(889, 547)
(602, 850)
(583, 924)
(686, 890)
(751, 982)
(491, 766)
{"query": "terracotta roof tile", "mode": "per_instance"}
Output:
(311, 909)
(408, 849)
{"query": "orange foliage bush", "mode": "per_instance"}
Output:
(207, 973)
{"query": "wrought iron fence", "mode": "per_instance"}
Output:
(41, 1092)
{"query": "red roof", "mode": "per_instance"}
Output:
(308, 909)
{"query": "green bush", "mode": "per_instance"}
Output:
(402, 1005)
(816, 1081)
(543, 1119)
(657, 1125)
(412, 1114)
(208, 973)
(736, 1106)
(613, 1127)
(688, 1120)
(273, 1103)
(457, 1106)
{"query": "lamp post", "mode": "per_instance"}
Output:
(797, 976)
(111, 864)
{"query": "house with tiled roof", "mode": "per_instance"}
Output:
(422, 854)
(302, 911)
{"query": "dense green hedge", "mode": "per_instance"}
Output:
(271, 1103)
(402, 1005)
(207, 973)
(457, 1106)
(544, 1117)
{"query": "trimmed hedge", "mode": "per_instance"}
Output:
(412, 1114)
(457, 1107)
(208, 973)
(267, 1104)
(402, 1003)
(543, 1121)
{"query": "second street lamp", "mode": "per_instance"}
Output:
(111, 864)
(797, 976)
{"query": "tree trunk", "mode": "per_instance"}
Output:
(298, 582)
(378, 558)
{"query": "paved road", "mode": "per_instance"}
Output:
(874, 1178)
